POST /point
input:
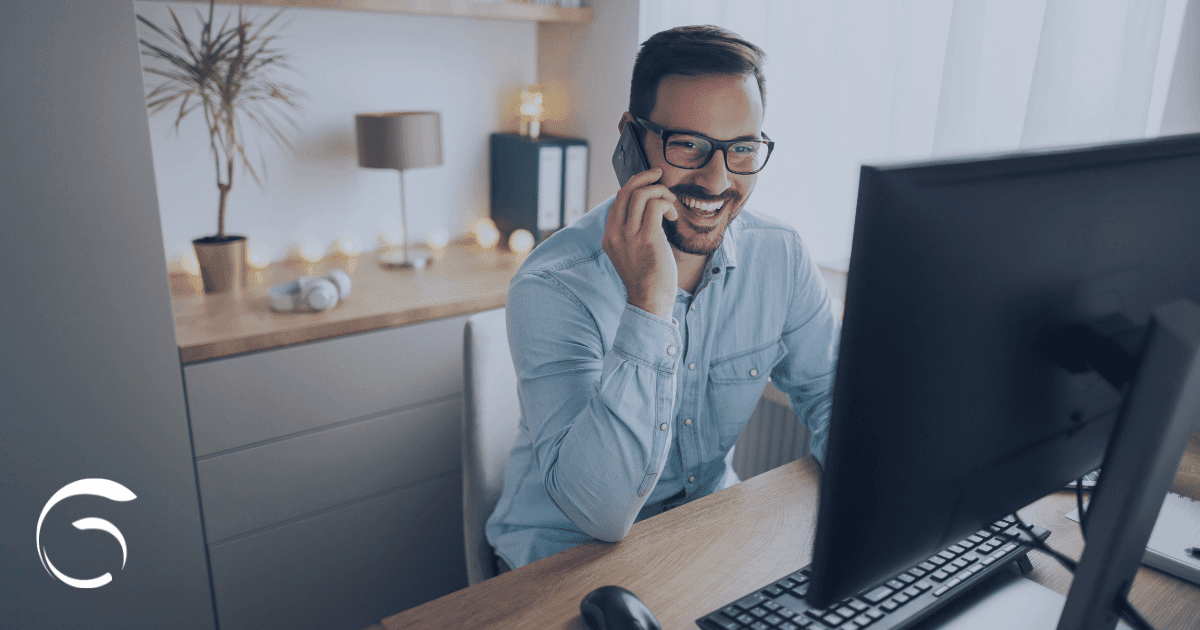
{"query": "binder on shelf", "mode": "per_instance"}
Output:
(537, 185)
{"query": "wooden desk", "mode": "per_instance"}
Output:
(691, 560)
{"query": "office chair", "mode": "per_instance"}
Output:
(491, 414)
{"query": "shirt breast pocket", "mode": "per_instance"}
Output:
(736, 383)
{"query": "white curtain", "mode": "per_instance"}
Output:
(852, 82)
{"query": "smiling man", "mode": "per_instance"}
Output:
(643, 334)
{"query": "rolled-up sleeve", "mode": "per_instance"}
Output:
(600, 419)
(811, 335)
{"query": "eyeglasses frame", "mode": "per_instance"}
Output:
(723, 145)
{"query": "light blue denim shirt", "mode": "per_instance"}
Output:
(626, 414)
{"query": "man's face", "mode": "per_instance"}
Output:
(722, 107)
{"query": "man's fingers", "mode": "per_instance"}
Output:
(618, 213)
(639, 203)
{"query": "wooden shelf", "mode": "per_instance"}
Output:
(498, 10)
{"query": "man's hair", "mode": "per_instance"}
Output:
(691, 51)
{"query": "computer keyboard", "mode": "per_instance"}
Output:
(896, 603)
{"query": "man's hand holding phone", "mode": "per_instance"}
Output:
(637, 246)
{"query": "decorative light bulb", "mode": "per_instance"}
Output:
(486, 233)
(438, 238)
(312, 251)
(258, 256)
(521, 242)
(190, 264)
(348, 245)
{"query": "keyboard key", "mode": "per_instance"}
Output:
(940, 591)
(786, 583)
(758, 625)
(787, 625)
(940, 575)
(912, 591)
(750, 601)
(988, 561)
(953, 583)
(918, 572)
(857, 605)
(937, 560)
(772, 606)
(946, 554)
(956, 549)
(745, 619)
(772, 591)
(895, 584)
(879, 594)
(832, 620)
(961, 563)
(731, 611)
(850, 625)
(923, 586)
(875, 614)
(724, 622)
(803, 622)
(800, 590)
(889, 605)
(786, 613)
(773, 620)
(846, 612)
(759, 611)
(928, 566)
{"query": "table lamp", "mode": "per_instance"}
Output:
(400, 140)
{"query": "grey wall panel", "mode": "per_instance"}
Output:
(255, 487)
(254, 397)
(344, 569)
(90, 381)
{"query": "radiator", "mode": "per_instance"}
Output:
(772, 438)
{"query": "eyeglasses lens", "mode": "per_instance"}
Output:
(687, 151)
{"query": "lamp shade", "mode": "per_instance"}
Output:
(400, 140)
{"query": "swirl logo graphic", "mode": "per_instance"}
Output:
(104, 488)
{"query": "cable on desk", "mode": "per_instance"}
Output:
(1122, 607)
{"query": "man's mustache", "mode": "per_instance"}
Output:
(696, 192)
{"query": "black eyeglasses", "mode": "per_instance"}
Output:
(688, 150)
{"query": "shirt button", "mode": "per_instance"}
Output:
(691, 366)
(753, 372)
(662, 427)
(688, 422)
(692, 307)
(671, 350)
(692, 479)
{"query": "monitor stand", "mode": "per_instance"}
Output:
(1003, 602)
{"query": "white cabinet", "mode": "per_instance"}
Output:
(330, 477)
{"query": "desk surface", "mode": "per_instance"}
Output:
(691, 560)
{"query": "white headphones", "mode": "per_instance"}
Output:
(311, 293)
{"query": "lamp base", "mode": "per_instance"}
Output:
(397, 260)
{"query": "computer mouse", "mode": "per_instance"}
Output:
(615, 608)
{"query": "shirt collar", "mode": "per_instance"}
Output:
(726, 254)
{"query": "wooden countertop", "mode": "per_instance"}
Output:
(464, 279)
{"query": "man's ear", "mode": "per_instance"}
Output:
(625, 118)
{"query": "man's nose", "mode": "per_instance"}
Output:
(713, 176)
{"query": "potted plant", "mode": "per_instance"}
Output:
(223, 73)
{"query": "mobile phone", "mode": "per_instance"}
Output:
(628, 158)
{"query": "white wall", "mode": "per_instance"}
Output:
(352, 62)
(593, 64)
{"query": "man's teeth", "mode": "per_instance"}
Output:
(704, 207)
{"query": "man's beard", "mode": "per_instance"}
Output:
(706, 239)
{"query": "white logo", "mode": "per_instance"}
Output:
(110, 490)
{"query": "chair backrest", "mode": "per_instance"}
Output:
(490, 419)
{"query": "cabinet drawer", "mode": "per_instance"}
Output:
(251, 488)
(245, 399)
(344, 569)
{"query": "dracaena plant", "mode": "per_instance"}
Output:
(224, 72)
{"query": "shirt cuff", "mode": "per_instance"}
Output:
(648, 339)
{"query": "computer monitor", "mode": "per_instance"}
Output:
(965, 385)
